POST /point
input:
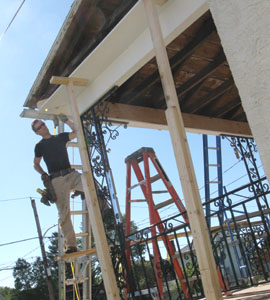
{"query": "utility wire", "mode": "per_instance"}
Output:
(15, 199)
(4, 32)
(7, 269)
(20, 241)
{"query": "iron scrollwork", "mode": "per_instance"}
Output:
(99, 131)
(244, 149)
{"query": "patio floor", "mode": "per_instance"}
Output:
(259, 292)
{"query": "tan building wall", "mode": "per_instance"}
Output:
(244, 30)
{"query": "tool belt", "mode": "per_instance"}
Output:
(63, 172)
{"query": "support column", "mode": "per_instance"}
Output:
(243, 27)
(184, 162)
(91, 198)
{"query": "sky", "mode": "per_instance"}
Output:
(23, 50)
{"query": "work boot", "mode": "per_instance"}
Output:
(71, 249)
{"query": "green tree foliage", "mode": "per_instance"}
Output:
(6, 292)
(30, 279)
(23, 275)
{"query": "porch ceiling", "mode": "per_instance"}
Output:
(204, 83)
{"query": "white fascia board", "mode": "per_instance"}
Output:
(124, 51)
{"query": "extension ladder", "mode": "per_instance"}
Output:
(218, 181)
(145, 181)
(81, 267)
(216, 168)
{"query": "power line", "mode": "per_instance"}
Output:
(15, 242)
(7, 269)
(4, 32)
(9, 265)
(15, 199)
(20, 241)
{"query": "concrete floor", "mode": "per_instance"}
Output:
(260, 292)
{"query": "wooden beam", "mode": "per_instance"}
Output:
(146, 117)
(66, 80)
(34, 114)
(216, 93)
(196, 79)
(91, 199)
(72, 256)
(228, 108)
(184, 162)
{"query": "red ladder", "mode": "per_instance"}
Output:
(132, 161)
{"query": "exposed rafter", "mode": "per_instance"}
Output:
(134, 93)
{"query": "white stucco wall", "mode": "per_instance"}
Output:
(244, 30)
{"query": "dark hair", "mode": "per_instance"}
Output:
(33, 124)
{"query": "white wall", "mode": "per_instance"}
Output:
(244, 30)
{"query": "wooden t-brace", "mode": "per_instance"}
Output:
(90, 191)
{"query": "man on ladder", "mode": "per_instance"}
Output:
(63, 178)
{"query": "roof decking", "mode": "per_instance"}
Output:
(202, 76)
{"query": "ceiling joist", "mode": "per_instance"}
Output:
(145, 117)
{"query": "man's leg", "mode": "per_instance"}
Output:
(62, 189)
(76, 182)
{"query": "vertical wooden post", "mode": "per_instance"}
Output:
(184, 162)
(91, 199)
(93, 206)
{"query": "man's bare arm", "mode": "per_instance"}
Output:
(70, 123)
(37, 165)
(71, 134)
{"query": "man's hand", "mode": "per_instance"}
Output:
(63, 118)
(44, 177)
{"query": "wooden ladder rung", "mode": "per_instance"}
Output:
(159, 192)
(153, 179)
(72, 144)
(138, 200)
(82, 234)
(77, 167)
(79, 212)
(73, 281)
(73, 255)
(163, 204)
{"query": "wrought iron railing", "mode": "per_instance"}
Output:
(239, 231)
(240, 239)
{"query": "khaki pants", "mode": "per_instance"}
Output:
(63, 185)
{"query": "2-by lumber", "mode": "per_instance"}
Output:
(146, 117)
(139, 116)
(91, 198)
(184, 162)
(66, 80)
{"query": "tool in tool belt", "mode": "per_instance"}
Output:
(49, 187)
(45, 199)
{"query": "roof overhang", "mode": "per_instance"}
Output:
(123, 52)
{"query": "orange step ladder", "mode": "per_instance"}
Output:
(145, 181)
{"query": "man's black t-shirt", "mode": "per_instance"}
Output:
(54, 152)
